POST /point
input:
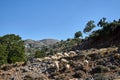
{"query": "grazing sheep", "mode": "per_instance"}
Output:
(56, 63)
(59, 55)
(117, 56)
(113, 49)
(19, 63)
(54, 57)
(103, 50)
(64, 61)
(86, 62)
(67, 66)
(47, 58)
(65, 54)
(72, 53)
(39, 59)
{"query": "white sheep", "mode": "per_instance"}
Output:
(59, 54)
(67, 66)
(86, 62)
(65, 54)
(72, 53)
(19, 63)
(56, 63)
(47, 58)
(54, 57)
(39, 59)
(64, 61)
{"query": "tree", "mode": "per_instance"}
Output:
(3, 54)
(14, 47)
(78, 34)
(102, 22)
(89, 26)
(40, 54)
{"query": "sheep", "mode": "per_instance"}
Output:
(86, 62)
(19, 63)
(75, 79)
(56, 63)
(67, 66)
(54, 57)
(103, 50)
(39, 59)
(47, 58)
(59, 55)
(65, 54)
(72, 53)
(64, 61)
(117, 56)
(113, 49)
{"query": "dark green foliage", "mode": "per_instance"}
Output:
(89, 26)
(78, 34)
(107, 30)
(40, 54)
(100, 69)
(67, 45)
(12, 48)
(102, 22)
(102, 76)
(3, 54)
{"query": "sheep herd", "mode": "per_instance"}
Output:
(60, 58)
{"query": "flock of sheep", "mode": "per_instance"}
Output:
(61, 56)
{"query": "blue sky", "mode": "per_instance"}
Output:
(58, 19)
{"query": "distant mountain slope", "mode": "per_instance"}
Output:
(48, 42)
(40, 43)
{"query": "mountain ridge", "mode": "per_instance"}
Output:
(29, 43)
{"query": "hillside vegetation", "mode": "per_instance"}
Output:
(107, 35)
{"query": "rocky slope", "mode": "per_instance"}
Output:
(38, 44)
(90, 64)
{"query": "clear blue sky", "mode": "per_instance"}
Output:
(58, 19)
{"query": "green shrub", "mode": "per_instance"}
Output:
(11, 49)
(40, 54)
(100, 69)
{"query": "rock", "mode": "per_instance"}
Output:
(24, 69)
(12, 78)
(35, 76)
(78, 74)
(94, 56)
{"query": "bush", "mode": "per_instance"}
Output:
(3, 55)
(40, 54)
(102, 77)
(11, 49)
(100, 69)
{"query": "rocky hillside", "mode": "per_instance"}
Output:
(90, 64)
